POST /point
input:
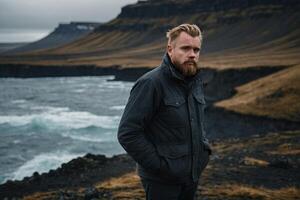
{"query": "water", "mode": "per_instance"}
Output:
(45, 122)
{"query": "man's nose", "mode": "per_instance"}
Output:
(192, 53)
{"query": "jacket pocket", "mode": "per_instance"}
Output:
(175, 102)
(173, 113)
(176, 160)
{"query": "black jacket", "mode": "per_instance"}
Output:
(162, 125)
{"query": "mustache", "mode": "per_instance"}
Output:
(190, 61)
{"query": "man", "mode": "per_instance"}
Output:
(162, 124)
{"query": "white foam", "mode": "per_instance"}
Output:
(109, 77)
(121, 107)
(91, 138)
(61, 118)
(79, 90)
(16, 141)
(43, 163)
(50, 109)
(18, 101)
(116, 85)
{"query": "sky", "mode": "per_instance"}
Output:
(28, 20)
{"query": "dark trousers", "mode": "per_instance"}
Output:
(161, 191)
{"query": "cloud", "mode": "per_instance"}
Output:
(48, 13)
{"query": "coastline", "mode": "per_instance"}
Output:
(86, 171)
(233, 164)
(40, 71)
(79, 172)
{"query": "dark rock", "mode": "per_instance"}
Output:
(30, 71)
(51, 173)
(36, 174)
(68, 195)
(91, 193)
(277, 94)
(79, 172)
(282, 163)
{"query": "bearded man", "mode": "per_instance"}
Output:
(162, 127)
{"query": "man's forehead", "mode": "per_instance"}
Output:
(186, 39)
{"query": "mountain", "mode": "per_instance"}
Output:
(63, 34)
(236, 34)
(4, 47)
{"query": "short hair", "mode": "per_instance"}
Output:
(191, 29)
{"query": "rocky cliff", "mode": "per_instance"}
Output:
(171, 8)
(207, 14)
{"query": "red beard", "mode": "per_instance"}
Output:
(188, 68)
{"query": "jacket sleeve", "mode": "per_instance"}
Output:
(142, 104)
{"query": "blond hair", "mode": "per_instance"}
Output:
(191, 29)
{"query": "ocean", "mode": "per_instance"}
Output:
(45, 122)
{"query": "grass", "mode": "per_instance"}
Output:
(275, 96)
(127, 186)
(245, 192)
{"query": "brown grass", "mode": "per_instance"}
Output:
(255, 161)
(237, 191)
(127, 186)
(275, 96)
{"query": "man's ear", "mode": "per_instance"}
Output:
(169, 49)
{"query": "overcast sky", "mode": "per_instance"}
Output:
(47, 14)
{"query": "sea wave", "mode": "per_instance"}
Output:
(18, 101)
(60, 118)
(103, 137)
(91, 134)
(116, 85)
(42, 163)
(121, 107)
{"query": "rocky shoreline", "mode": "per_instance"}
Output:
(39, 71)
(256, 167)
(80, 172)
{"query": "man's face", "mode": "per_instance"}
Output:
(184, 53)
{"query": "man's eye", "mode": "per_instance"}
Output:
(196, 50)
